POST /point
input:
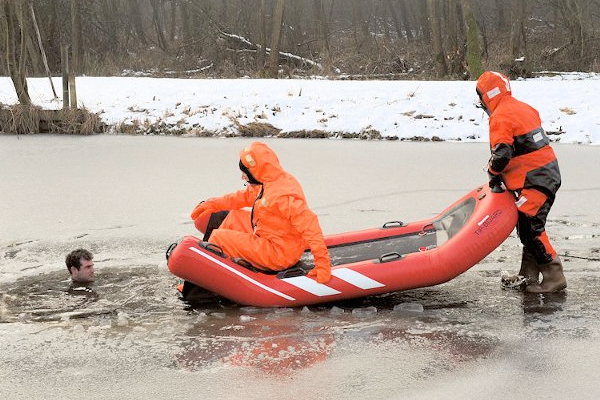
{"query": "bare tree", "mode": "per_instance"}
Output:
(518, 38)
(262, 51)
(434, 20)
(572, 13)
(135, 13)
(473, 43)
(76, 37)
(157, 19)
(321, 28)
(11, 11)
(361, 26)
(276, 38)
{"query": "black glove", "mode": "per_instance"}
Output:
(495, 183)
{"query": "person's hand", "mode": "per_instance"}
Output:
(201, 208)
(495, 182)
(320, 274)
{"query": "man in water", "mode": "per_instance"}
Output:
(81, 267)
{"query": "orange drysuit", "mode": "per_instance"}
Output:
(280, 226)
(522, 156)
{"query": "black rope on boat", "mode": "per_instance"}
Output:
(579, 257)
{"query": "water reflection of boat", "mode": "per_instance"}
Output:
(270, 346)
(395, 257)
(283, 345)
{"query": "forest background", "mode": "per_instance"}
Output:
(348, 39)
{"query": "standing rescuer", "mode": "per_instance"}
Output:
(280, 226)
(523, 159)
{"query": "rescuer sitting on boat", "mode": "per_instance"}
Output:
(280, 226)
(523, 159)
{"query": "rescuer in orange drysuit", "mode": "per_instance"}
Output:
(523, 159)
(280, 226)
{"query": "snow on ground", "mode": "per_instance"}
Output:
(402, 109)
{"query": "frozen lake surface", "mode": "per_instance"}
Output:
(127, 198)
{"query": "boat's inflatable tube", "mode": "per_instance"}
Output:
(394, 257)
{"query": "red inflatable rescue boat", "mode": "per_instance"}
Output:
(395, 257)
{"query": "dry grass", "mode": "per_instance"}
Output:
(568, 111)
(19, 119)
(256, 129)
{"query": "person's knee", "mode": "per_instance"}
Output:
(540, 248)
(237, 220)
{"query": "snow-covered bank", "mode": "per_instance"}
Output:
(395, 109)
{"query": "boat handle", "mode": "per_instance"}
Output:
(213, 248)
(387, 257)
(392, 224)
(244, 263)
(423, 232)
(170, 250)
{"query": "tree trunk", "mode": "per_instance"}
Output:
(41, 47)
(456, 35)
(321, 28)
(407, 27)
(76, 38)
(438, 50)
(157, 19)
(112, 17)
(574, 18)
(27, 41)
(473, 42)
(423, 15)
(136, 19)
(261, 56)
(9, 28)
(395, 20)
(517, 35)
(276, 38)
(501, 15)
(173, 22)
(361, 27)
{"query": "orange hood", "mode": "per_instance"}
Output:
(492, 87)
(262, 162)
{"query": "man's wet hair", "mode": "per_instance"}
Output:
(73, 259)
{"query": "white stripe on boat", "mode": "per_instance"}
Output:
(356, 279)
(235, 271)
(311, 286)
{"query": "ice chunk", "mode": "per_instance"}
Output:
(411, 307)
(365, 311)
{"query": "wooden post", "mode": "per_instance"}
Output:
(64, 58)
(72, 89)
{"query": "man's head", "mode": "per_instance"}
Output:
(80, 265)
(259, 163)
(491, 87)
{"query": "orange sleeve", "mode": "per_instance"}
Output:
(500, 130)
(236, 200)
(307, 224)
